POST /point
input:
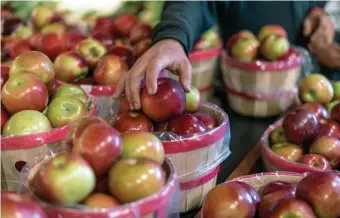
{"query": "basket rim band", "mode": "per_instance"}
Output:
(200, 180)
(207, 54)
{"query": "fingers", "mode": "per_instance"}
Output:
(307, 26)
(185, 75)
(325, 31)
(152, 72)
(119, 89)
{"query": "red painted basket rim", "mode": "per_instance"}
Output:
(39, 139)
(206, 54)
(200, 180)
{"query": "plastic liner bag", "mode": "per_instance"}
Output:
(16, 151)
(162, 204)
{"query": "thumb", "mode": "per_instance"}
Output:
(307, 27)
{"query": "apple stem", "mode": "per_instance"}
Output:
(311, 95)
(94, 52)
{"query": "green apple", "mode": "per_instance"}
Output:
(53, 28)
(193, 100)
(23, 32)
(274, 47)
(71, 90)
(315, 88)
(212, 37)
(66, 179)
(245, 49)
(42, 16)
(278, 136)
(26, 122)
(65, 110)
(336, 88)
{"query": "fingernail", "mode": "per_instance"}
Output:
(150, 90)
(136, 106)
(131, 107)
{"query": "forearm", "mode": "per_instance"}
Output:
(332, 59)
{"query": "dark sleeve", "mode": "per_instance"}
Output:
(185, 21)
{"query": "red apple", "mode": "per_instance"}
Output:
(34, 40)
(142, 144)
(130, 122)
(300, 126)
(278, 136)
(271, 29)
(57, 180)
(170, 95)
(251, 191)
(104, 39)
(33, 62)
(315, 88)
(193, 100)
(139, 32)
(4, 73)
(141, 47)
(123, 105)
(329, 128)
(56, 27)
(92, 51)
(26, 122)
(321, 191)
(42, 16)
(269, 201)
(73, 40)
(110, 70)
(131, 179)
(317, 109)
(274, 47)
(20, 47)
(245, 49)
(100, 200)
(19, 206)
(104, 25)
(236, 36)
(97, 141)
(292, 208)
(70, 67)
(315, 160)
(229, 200)
(53, 44)
(124, 52)
(185, 124)
(4, 117)
(24, 92)
(328, 147)
(288, 151)
(207, 120)
(71, 90)
(278, 186)
(125, 23)
(335, 113)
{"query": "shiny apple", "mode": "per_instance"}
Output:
(193, 100)
(71, 90)
(269, 201)
(245, 49)
(271, 29)
(277, 186)
(292, 208)
(110, 70)
(250, 189)
(274, 47)
(101, 200)
(329, 128)
(278, 136)
(317, 109)
(185, 124)
(315, 160)
(123, 52)
(315, 88)
(207, 120)
(329, 147)
(53, 44)
(288, 151)
(92, 51)
(130, 122)
(125, 23)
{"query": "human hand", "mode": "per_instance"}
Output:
(165, 54)
(328, 55)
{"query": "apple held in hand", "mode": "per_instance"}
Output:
(24, 92)
(100, 200)
(66, 179)
(92, 51)
(288, 151)
(321, 191)
(131, 122)
(110, 70)
(335, 113)
(65, 110)
(131, 179)
(170, 95)
(271, 29)
(71, 90)
(124, 52)
(193, 100)
(273, 47)
(278, 136)
(328, 147)
(278, 186)
(315, 88)
(207, 120)
(70, 67)
(315, 160)
(4, 117)
(33, 62)
(142, 144)
(300, 126)
(292, 208)
(185, 124)
(245, 49)
(42, 16)
(317, 109)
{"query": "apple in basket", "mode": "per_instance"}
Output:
(125, 23)
(245, 49)
(4, 117)
(124, 53)
(235, 37)
(101, 200)
(321, 191)
(24, 91)
(70, 67)
(315, 88)
(20, 47)
(53, 44)
(131, 121)
(317, 109)
(15, 205)
(329, 128)
(55, 27)
(142, 144)
(300, 126)
(335, 113)
(229, 200)
(288, 151)
(139, 32)
(269, 201)
(125, 181)
(42, 16)
(271, 29)
(329, 147)
(277, 136)
(185, 124)
(253, 193)
(211, 37)
(33, 62)
(193, 100)
(277, 186)
(66, 179)
(141, 47)
(292, 208)
(274, 47)
(201, 45)
(110, 70)
(71, 90)
(336, 88)
(92, 51)
(207, 120)
(26, 122)
(315, 160)
(170, 95)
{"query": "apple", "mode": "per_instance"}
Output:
(328, 147)
(336, 89)
(70, 67)
(271, 29)
(34, 40)
(14, 205)
(71, 90)
(236, 36)
(42, 16)
(170, 95)
(212, 37)
(229, 200)
(131, 179)
(73, 40)
(101, 200)
(65, 110)
(142, 144)
(300, 126)
(26, 122)
(4, 117)
(20, 47)
(130, 122)
(92, 51)
(4, 73)
(139, 32)
(97, 141)
(331, 105)
(124, 52)
(110, 70)
(10, 24)
(207, 120)
(33, 62)
(193, 100)
(56, 27)
(292, 208)
(269, 201)
(329, 128)
(321, 190)
(185, 124)
(104, 39)
(317, 109)
(288, 151)
(23, 32)
(141, 47)
(335, 113)
(315, 88)
(245, 49)
(201, 45)
(53, 44)
(104, 25)
(278, 136)
(315, 160)
(278, 186)
(65, 179)
(273, 47)
(253, 193)
(125, 23)
(123, 105)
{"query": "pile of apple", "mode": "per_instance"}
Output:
(271, 44)
(168, 110)
(310, 134)
(103, 168)
(315, 196)
(28, 106)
